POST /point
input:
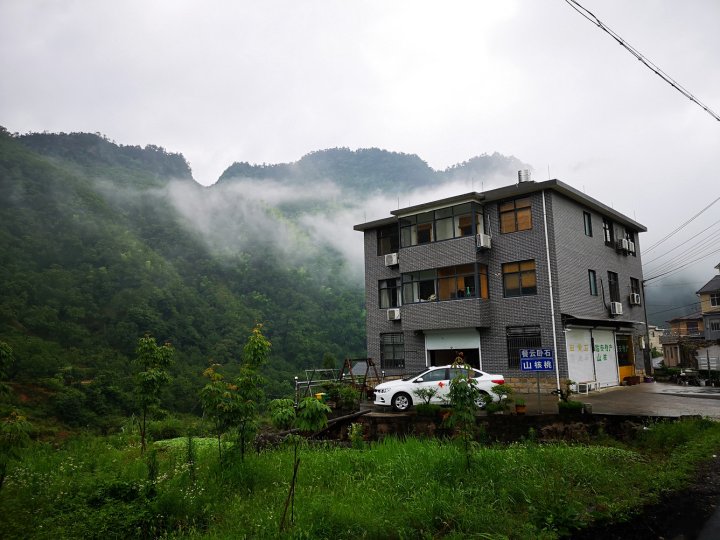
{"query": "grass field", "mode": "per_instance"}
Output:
(100, 487)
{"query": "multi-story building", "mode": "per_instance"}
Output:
(528, 266)
(710, 306)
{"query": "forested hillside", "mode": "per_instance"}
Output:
(94, 256)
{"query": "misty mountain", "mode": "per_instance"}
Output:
(371, 169)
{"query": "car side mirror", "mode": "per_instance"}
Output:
(419, 380)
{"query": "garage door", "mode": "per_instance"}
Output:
(606, 369)
(581, 366)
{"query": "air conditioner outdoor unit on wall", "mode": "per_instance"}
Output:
(615, 308)
(391, 259)
(634, 299)
(393, 314)
(483, 241)
(622, 244)
(631, 246)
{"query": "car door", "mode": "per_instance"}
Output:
(436, 379)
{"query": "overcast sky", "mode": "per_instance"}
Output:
(269, 81)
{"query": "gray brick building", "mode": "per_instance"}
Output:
(532, 265)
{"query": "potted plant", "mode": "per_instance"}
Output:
(520, 406)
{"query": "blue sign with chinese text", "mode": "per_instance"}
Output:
(537, 360)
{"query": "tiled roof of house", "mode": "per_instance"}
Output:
(711, 286)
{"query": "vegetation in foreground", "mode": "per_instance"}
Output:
(101, 487)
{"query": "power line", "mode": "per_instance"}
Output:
(680, 245)
(673, 309)
(637, 54)
(683, 265)
(673, 233)
(700, 249)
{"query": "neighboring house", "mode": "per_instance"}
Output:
(654, 333)
(710, 306)
(527, 266)
(680, 341)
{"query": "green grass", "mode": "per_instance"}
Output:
(94, 487)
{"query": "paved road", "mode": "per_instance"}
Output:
(645, 399)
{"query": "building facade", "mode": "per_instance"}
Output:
(528, 266)
(710, 307)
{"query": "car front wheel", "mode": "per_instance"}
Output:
(401, 402)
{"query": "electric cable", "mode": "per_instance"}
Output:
(680, 245)
(637, 54)
(677, 230)
(700, 249)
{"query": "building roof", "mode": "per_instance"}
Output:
(711, 286)
(514, 190)
(697, 316)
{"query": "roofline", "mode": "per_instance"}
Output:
(376, 224)
(514, 190)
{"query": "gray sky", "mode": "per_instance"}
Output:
(224, 81)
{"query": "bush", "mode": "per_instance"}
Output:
(343, 395)
(167, 428)
(570, 407)
(428, 410)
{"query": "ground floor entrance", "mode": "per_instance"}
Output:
(592, 356)
(442, 347)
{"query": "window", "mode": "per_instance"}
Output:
(715, 299)
(392, 351)
(519, 279)
(715, 325)
(608, 233)
(692, 327)
(419, 286)
(521, 337)
(614, 286)
(388, 240)
(592, 278)
(515, 215)
(389, 293)
(634, 286)
(449, 283)
(587, 220)
(630, 237)
(443, 224)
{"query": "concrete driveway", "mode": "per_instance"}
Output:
(645, 399)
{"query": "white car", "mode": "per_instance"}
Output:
(400, 394)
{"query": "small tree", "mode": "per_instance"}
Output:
(309, 417)
(426, 394)
(235, 405)
(152, 362)
(464, 396)
(13, 437)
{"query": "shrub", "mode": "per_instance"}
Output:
(428, 410)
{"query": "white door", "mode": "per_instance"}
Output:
(606, 366)
(578, 343)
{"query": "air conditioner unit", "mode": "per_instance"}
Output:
(391, 259)
(634, 299)
(483, 241)
(622, 244)
(615, 308)
(393, 314)
(631, 246)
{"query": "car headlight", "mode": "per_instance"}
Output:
(381, 390)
